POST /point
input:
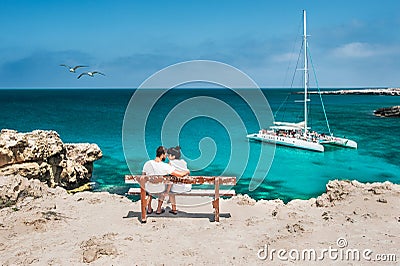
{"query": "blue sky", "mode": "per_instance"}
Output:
(353, 43)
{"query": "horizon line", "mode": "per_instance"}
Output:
(218, 88)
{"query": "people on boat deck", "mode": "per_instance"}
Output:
(159, 167)
(174, 156)
(292, 133)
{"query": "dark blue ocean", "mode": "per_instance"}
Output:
(96, 115)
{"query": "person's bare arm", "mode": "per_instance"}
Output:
(180, 173)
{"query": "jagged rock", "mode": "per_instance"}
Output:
(84, 154)
(244, 200)
(15, 187)
(28, 170)
(393, 111)
(335, 190)
(42, 155)
(38, 145)
(338, 190)
(73, 173)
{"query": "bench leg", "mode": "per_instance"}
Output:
(143, 202)
(216, 200)
(216, 209)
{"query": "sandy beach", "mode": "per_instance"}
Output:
(50, 227)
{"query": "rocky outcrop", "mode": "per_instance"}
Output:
(42, 155)
(393, 111)
(15, 188)
(339, 190)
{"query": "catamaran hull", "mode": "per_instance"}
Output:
(289, 142)
(342, 142)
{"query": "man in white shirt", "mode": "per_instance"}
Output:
(159, 167)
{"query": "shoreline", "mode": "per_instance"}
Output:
(50, 226)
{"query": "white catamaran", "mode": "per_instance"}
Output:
(299, 135)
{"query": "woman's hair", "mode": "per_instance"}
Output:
(175, 151)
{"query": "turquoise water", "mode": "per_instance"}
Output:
(97, 116)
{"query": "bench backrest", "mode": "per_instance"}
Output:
(222, 180)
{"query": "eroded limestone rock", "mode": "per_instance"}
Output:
(42, 155)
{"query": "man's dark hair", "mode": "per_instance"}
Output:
(160, 151)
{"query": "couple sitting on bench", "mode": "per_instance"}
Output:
(176, 167)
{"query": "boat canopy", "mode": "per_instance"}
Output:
(285, 128)
(299, 125)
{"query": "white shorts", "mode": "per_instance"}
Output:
(154, 188)
(178, 188)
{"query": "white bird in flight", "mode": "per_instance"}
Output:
(90, 74)
(72, 69)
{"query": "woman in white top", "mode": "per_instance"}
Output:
(174, 156)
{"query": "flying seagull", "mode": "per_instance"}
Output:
(90, 74)
(72, 69)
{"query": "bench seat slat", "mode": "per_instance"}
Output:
(193, 192)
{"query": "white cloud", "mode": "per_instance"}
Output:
(358, 50)
(286, 57)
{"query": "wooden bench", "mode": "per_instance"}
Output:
(211, 180)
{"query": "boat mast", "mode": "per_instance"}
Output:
(305, 71)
